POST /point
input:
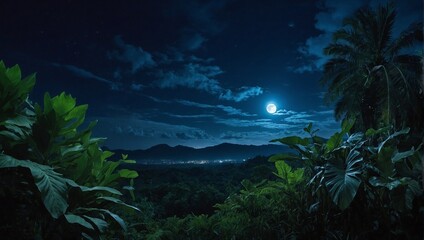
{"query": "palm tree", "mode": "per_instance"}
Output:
(373, 77)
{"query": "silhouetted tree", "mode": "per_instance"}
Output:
(374, 77)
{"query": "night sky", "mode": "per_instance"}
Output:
(183, 72)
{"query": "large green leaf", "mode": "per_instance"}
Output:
(334, 141)
(355, 138)
(126, 173)
(384, 161)
(398, 156)
(284, 171)
(342, 178)
(100, 224)
(101, 188)
(347, 124)
(112, 215)
(52, 185)
(14, 91)
(95, 188)
(386, 182)
(391, 137)
(63, 104)
(75, 219)
(14, 73)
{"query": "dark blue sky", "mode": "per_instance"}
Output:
(191, 72)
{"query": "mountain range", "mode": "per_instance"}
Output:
(225, 152)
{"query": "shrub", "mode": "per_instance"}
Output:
(55, 176)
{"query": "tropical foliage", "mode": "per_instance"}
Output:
(374, 171)
(373, 76)
(360, 183)
(56, 174)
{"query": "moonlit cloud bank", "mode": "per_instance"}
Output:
(196, 73)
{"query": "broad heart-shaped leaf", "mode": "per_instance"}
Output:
(342, 178)
(52, 185)
(284, 171)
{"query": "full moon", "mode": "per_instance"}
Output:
(271, 108)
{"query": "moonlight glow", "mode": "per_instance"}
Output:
(271, 108)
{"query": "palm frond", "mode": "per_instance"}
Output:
(368, 74)
(339, 49)
(413, 34)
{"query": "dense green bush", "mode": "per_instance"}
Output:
(362, 185)
(56, 180)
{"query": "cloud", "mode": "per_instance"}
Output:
(192, 76)
(202, 77)
(227, 109)
(234, 111)
(190, 115)
(325, 112)
(202, 15)
(302, 69)
(173, 68)
(135, 56)
(321, 95)
(283, 112)
(263, 123)
(330, 18)
(136, 86)
(80, 72)
(191, 41)
(288, 121)
(301, 117)
(142, 133)
(327, 21)
(192, 135)
(233, 135)
(182, 136)
(242, 94)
